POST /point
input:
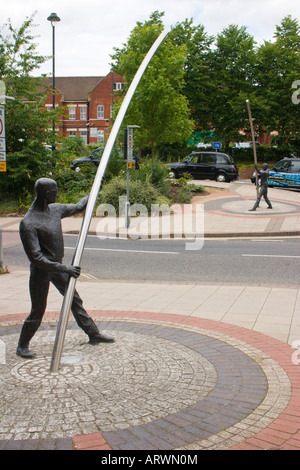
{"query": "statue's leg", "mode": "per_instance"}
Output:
(267, 200)
(257, 201)
(39, 287)
(83, 320)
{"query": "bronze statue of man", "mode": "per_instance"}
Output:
(263, 192)
(42, 239)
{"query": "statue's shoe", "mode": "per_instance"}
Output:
(101, 338)
(25, 353)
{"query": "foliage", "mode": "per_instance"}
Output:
(277, 68)
(27, 121)
(139, 193)
(147, 186)
(153, 172)
(264, 153)
(159, 107)
(196, 86)
(222, 72)
(24, 168)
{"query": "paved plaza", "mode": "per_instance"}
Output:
(194, 366)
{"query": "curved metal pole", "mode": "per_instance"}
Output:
(68, 298)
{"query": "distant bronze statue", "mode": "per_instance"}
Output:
(263, 192)
(42, 238)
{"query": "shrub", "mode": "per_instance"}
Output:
(139, 193)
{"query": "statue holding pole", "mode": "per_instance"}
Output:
(263, 192)
(42, 239)
(253, 143)
(264, 173)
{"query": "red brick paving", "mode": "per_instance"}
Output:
(283, 433)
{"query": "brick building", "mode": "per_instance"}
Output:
(88, 102)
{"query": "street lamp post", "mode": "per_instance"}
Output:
(53, 18)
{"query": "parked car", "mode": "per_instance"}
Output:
(286, 173)
(206, 165)
(93, 158)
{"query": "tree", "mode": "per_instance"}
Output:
(232, 67)
(159, 107)
(199, 87)
(278, 67)
(27, 121)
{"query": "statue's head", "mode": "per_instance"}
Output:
(46, 189)
(265, 166)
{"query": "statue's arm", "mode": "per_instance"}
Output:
(73, 209)
(258, 170)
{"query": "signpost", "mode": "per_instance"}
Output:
(129, 145)
(2, 139)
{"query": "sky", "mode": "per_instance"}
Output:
(90, 29)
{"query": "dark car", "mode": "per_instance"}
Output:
(93, 158)
(206, 165)
(286, 173)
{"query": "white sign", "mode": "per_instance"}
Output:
(2, 139)
(2, 121)
(129, 145)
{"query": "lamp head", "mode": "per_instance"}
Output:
(53, 18)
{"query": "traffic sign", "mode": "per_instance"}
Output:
(217, 145)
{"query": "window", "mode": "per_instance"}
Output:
(221, 159)
(83, 135)
(118, 86)
(100, 137)
(72, 133)
(100, 111)
(207, 159)
(72, 112)
(192, 158)
(82, 113)
(295, 167)
(282, 166)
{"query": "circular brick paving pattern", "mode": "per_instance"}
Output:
(159, 386)
(240, 206)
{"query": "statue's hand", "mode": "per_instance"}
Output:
(73, 271)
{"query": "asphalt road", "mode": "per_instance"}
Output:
(244, 261)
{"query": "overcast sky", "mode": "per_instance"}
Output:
(90, 29)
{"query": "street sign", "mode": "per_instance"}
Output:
(129, 144)
(217, 145)
(2, 139)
